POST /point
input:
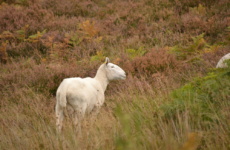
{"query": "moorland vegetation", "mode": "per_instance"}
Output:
(172, 99)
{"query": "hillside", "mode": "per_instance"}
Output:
(172, 99)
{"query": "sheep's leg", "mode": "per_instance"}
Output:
(59, 117)
(76, 122)
(78, 117)
(95, 113)
(93, 118)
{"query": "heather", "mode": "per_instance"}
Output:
(173, 98)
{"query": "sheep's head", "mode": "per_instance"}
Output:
(114, 72)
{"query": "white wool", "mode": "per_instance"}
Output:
(84, 95)
(221, 63)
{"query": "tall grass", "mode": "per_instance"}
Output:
(140, 117)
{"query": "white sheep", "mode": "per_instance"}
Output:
(85, 95)
(221, 63)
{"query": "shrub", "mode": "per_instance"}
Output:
(42, 77)
(14, 18)
(203, 99)
(156, 60)
(3, 53)
(195, 49)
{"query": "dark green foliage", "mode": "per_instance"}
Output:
(204, 98)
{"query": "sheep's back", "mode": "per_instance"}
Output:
(81, 92)
(221, 63)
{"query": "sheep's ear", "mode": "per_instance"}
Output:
(106, 60)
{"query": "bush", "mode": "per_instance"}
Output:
(14, 18)
(156, 60)
(204, 99)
